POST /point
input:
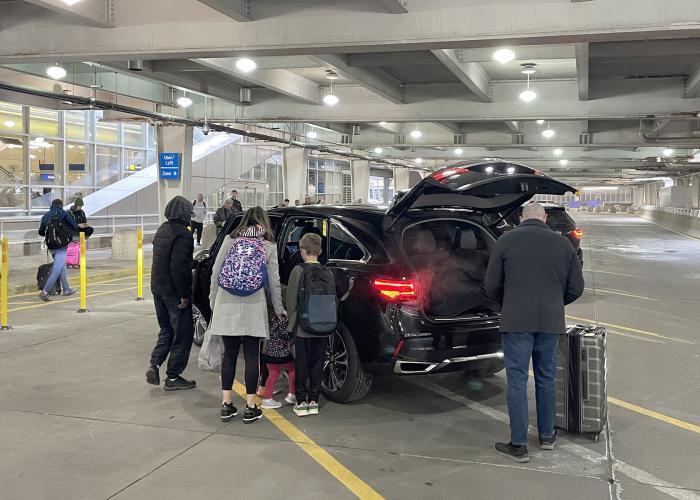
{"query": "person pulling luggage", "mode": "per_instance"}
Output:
(76, 211)
(57, 228)
(171, 285)
(533, 273)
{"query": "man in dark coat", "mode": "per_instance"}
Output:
(533, 273)
(237, 207)
(171, 285)
(223, 214)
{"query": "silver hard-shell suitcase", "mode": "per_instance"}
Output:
(580, 381)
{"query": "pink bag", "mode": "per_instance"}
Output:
(73, 255)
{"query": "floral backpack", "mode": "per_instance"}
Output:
(244, 271)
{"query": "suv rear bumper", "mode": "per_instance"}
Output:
(476, 362)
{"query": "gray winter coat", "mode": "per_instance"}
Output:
(238, 316)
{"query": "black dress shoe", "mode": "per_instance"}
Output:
(152, 375)
(179, 384)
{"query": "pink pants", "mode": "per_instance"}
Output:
(274, 370)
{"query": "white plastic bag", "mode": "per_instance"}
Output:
(211, 353)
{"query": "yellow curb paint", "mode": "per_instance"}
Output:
(353, 483)
(628, 329)
(656, 415)
(43, 304)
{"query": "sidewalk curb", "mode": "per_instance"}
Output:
(30, 286)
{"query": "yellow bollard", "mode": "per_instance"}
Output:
(83, 276)
(5, 325)
(139, 264)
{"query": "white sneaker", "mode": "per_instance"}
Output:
(270, 404)
(290, 399)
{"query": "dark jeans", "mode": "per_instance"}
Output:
(251, 353)
(197, 228)
(308, 362)
(518, 347)
(175, 336)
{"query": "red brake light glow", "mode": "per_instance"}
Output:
(578, 233)
(443, 175)
(396, 290)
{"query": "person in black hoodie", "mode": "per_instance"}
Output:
(171, 285)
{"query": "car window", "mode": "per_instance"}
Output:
(343, 245)
(289, 243)
(558, 218)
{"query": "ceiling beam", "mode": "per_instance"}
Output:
(471, 74)
(451, 127)
(238, 10)
(513, 126)
(692, 85)
(95, 12)
(375, 80)
(582, 70)
(283, 81)
(395, 6)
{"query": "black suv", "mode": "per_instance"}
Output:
(409, 276)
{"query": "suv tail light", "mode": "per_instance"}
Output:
(396, 290)
(577, 233)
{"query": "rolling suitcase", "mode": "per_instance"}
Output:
(580, 380)
(73, 254)
(43, 274)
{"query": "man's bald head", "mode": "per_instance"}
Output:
(534, 211)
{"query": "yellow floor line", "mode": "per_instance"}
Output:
(655, 414)
(353, 483)
(628, 329)
(650, 413)
(73, 298)
(27, 294)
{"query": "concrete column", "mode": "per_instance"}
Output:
(296, 179)
(359, 172)
(401, 178)
(175, 140)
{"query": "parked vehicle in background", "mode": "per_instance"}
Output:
(409, 277)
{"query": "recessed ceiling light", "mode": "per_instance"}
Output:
(563, 162)
(528, 95)
(382, 123)
(378, 150)
(246, 65)
(557, 152)
(419, 160)
(70, 3)
(540, 122)
(459, 151)
(39, 140)
(489, 170)
(528, 68)
(511, 170)
(667, 152)
(331, 99)
(71, 146)
(184, 101)
(548, 133)
(504, 56)
(33, 157)
(311, 134)
(9, 123)
(416, 134)
(56, 72)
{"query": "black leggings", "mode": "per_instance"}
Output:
(251, 353)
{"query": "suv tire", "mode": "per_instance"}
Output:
(344, 380)
(199, 324)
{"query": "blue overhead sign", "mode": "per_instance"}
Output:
(169, 166)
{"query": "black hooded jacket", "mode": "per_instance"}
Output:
(171, 271)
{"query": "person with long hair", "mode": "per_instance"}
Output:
(242, 318)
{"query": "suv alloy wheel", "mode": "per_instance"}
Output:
(344, 380)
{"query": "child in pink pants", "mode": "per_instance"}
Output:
(277, 353)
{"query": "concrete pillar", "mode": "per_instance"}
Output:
(296, 179)
(359, 171)
(401, 178)
(175, 140)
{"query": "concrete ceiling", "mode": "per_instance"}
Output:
(619, 82)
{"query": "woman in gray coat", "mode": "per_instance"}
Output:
(243, 320)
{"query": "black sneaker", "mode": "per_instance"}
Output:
(548, 443)
(517, 453)
(250, 415)
(228, 411)
(152, 375)
(179, 384)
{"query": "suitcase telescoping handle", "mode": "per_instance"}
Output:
(584, 374)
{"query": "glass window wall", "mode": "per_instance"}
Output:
(134, 136)
(79, 164)
(44, 122)
(107, 163)
(106, 132)
(11, 160)
(11, 119)
(45, 166)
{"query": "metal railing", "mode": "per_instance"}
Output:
(689, 212)
(23, 229)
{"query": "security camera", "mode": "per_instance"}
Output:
(206, 129)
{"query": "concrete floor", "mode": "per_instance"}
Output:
(77, 420)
